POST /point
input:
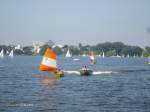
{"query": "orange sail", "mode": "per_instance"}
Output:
(92, 58)
(49, 61)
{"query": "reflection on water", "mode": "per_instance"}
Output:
(48, 81)
(118, 85)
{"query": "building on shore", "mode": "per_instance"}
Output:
(38, 44)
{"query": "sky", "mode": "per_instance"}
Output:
(75, 21)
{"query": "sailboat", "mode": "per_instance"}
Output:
(2, 53)
(103, 55)
(68, 54)
(11, 54)
(128, 56)
(49, 63)
(84, 54)
(7, 52)
(92, 58)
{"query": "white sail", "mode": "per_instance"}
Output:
(7, 52)
(118, 56)
(84, 55)
(11, 54)
(38, 50)
(2, 53)
(103, 55)
(68, 54)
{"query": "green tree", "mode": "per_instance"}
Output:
(28, 50)
(147, 51)
(43, 49)
(57, 50)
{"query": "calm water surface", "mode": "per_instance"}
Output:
(23, 88)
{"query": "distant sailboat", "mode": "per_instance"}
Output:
(68, 54)
(7, 52)
(49, 63)
(103, 55)
(92, 58)
(84, 54)
(118, 56)
(99, 55)
(2, 53)
(11, 54)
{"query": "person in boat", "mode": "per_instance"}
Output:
(84, 68)
(85, 71)
(58, 71)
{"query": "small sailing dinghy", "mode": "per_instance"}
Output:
(49, 64)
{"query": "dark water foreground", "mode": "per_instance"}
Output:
(25, 89)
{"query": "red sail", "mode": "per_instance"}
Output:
(92, 57)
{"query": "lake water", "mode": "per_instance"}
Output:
(118, 85)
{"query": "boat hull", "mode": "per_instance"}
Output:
(86, 72)
(57, 75)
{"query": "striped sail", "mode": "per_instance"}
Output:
(49, 61)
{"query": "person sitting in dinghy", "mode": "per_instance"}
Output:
(58, 71)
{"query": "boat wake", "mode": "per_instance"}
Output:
(102, 72)
(133, 70)
(107, 72)
(94, 72)
(76, 59)
(72, 72)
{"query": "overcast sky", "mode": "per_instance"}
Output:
(75, 21)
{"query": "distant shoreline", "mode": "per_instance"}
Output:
(107, 48)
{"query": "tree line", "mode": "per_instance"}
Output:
(109, 48)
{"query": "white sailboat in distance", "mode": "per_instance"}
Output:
(68, 54)
(103, 55)
(2, 53)
(11, 54)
